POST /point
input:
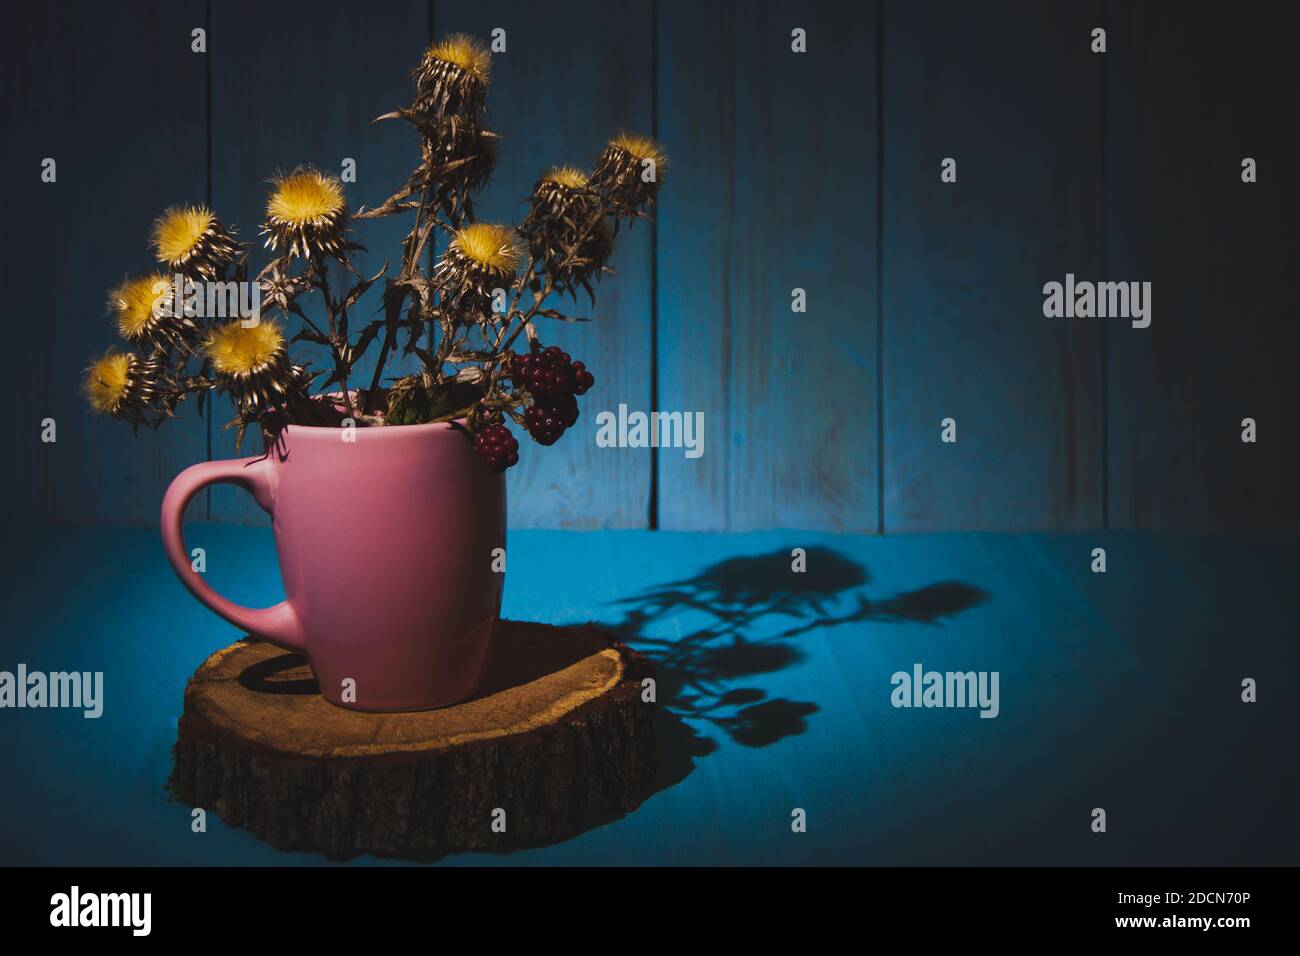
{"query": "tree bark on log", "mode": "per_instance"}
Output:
(559, 738)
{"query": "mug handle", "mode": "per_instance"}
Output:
(278, 624)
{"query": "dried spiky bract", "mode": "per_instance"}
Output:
(148, 315)
(251, 364)
(306, 215)
(122, 384)
(565, 228)
(458, 160)
(452, 78)
(479, 259)
(194, 242)
(628, 173)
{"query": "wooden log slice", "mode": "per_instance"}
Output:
(559, 738)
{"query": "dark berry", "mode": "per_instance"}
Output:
(549, 375)
(582, 379)
(566, 409)
(497, 447)
(546, 425)
(553, 381)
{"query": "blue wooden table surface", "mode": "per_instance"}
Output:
(1119, 690)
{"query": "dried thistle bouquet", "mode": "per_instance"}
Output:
(462, 319)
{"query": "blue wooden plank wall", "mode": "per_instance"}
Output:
(1186, 105)
(817, 171)
(772, 189)
(290, 88)
(572, 75)
(119, 108)
(1011, 94)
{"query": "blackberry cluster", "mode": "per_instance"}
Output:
(554, 381)
(547, 424)
(498, 447)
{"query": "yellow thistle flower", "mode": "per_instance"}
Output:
(640, 147)
(306, 213)
(120, 384)
(465, 52)
(108, 381)
(192, 240)
(560, 230)
(452, 78)
(235, 350)
(493, 247)
(620, 172)
(305, 197)
(177, 230)
(133, 304)
(480, 257)
(251, 364)
(568, 176)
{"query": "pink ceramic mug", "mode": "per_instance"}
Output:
(386, 550)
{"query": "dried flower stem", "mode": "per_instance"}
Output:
(540, 297)
(410, 268)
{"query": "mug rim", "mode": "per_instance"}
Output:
(380, 429)
(370, 429)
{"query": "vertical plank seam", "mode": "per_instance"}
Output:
(1105, 360)
(880, 267)
(207, 159)
(727, 142)
(653, 503)
(431, 13)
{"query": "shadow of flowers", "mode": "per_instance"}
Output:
(712, 675)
